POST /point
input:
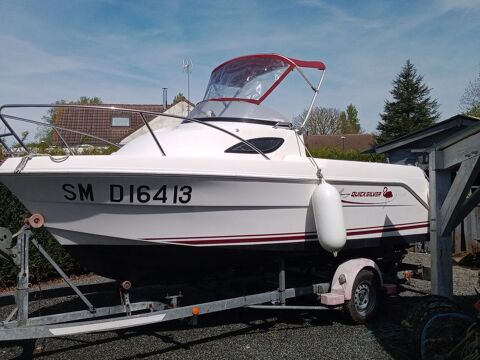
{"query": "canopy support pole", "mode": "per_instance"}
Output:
(310, 108)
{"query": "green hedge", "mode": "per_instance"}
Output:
(339, 154)
(12, 213)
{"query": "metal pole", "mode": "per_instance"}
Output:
(23, 276)
(188, 88)
(14, 134)
(187, 67)
(312, 103)
(91, 308)
(281, 282)
(153, 134)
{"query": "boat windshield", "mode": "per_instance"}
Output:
(248, 79)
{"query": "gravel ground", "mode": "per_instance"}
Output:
(247, 333)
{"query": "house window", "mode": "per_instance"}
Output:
(266, 145)
(120, 121)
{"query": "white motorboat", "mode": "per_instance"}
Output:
(232, 184)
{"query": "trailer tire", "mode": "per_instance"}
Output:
(365, 297)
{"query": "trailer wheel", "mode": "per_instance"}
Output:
(365, 297)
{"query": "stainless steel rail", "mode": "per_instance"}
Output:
(57, 129)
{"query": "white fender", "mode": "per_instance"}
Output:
(328, 214)
(350, 269)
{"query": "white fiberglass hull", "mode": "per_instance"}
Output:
(223, 216)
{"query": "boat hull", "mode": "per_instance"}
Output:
(144, 225)
(173, 263)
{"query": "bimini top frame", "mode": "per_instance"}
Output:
(252, 78)
(59, 129)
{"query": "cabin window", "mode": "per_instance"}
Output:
(265, 144)
(120, 121)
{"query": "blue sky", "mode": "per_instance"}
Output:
(126, 51)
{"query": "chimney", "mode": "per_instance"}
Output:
(165, 97)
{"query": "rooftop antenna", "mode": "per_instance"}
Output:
(187, 68)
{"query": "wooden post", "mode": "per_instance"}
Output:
(477, 230)
(457, 239)
(469, 222)
(441, 245)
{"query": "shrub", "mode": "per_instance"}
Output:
(12, 214)
(339, 154)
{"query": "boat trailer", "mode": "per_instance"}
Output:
(344, 289)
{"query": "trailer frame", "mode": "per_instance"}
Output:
(19, 326)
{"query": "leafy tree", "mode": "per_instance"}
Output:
(411, 109)
(85, 100)
(178, 98)
(322, 121)
(470, 100)
(45, 133)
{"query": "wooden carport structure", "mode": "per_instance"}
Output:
(454, 167)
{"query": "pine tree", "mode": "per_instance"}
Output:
(349, 122)
(411, 109)
(352, 114)
(345, 127)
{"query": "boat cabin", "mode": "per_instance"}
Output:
(233, 105)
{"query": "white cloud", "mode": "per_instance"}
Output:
(21, 58)
(339, 14)
(459, 4)
(364, 49)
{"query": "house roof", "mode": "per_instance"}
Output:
(359, 142)
(99, 122)
(179, 109)
(455, 123)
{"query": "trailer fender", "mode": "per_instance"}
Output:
(342, 282)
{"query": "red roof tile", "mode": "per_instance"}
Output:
(99, 123)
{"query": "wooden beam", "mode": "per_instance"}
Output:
(440, 245)
(477, 230)
(471, 203)
(409, 139)
(460, 151)
(457, 239)
(469, 232)
(459, 190)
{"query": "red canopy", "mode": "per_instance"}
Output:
(294, 62)
(252, 78)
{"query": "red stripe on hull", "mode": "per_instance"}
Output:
(234, 239)
(389, 226)
(395, 228)
(244, 240)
